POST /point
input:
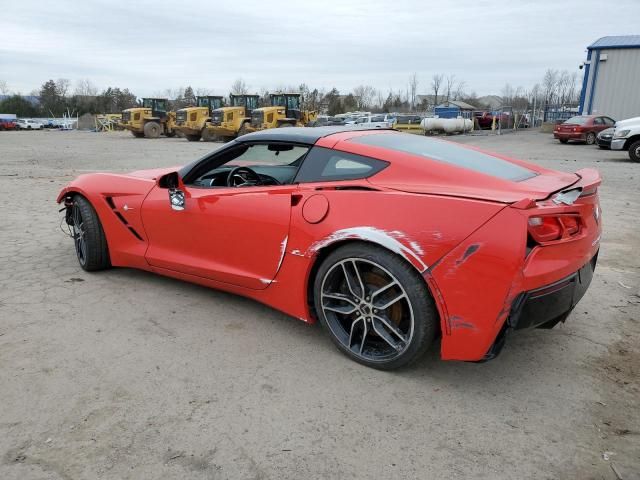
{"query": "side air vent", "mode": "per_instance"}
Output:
(124, 221)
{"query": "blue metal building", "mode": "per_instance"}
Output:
(611, 84)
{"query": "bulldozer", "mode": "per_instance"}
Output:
(151, 120)
(191, 120)
(285, 111)
(229, 122)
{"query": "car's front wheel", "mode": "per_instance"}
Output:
(375, 306)
(634, 151)
(88, 236)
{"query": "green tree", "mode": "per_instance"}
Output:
(50, 100)
(189, 97)
(332, 100)
(18, 105)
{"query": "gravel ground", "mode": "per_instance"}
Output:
(126, 375)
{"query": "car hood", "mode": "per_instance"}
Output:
(628, 121)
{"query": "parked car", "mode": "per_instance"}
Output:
(375, 121)
(604, 138)
(582, 128)
(28, 124)
(326, 121)
(389, 240)
(7, 124)
(627, 137)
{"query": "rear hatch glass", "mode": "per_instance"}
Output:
(448, 152)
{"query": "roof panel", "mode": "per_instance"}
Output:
(620, 41)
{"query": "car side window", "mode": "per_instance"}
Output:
(608, 121)
(598, 121)
(324, 164)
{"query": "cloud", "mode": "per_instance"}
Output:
(150, 46)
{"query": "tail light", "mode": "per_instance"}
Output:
(577, 129)
(550, 228)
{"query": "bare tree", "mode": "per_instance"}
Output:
(4, 87)
(507, 94)
(84, 88)
(364, 95)
(202, 92)
(436, 82)
(239, 87)
(413, 90)
(550, 85)
(459, 92)
(62, 86)
(451, 81)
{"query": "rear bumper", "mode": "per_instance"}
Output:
(552, 302)
(569, 135)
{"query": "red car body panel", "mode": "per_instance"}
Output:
(464, 232)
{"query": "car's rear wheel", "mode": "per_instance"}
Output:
(563, 140)
(88, 236)
(152, 130)
(375, 306)
(634, 151)
(590, 138)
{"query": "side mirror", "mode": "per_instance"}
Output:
(171, 181)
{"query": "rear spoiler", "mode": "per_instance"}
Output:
(587, 185)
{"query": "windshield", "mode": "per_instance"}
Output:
(448, 152)
(577, 120)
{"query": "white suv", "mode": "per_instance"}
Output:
(627, 137)
(28, 124)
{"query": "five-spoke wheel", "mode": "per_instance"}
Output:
(375, 306)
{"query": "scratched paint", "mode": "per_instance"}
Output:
(389, 240)
(468, 252)
(458, 322)
(283, 248)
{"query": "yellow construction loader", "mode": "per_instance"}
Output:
(229, 122)
(191, 120)
(285, 111)
(151, 120)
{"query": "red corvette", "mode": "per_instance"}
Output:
(389, 239)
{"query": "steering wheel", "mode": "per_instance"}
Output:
(243, 177)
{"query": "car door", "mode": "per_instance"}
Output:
(235, 235)
(599, 124)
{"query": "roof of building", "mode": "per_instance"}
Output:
(618, 41)
(459, 104)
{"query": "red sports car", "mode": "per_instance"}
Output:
(389, 239)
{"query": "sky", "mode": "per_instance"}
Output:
(149, 46)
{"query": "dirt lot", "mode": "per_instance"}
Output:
(123, 374)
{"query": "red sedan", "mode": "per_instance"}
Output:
(582, 128)
(388, 239)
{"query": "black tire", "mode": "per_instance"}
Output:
(413, 314)
(152, 130)
(207, 136)
(634, 151)
(89, 239)
(137, 134)
(244, 129)
(563, 140)
(193, 138)
(590, 139)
